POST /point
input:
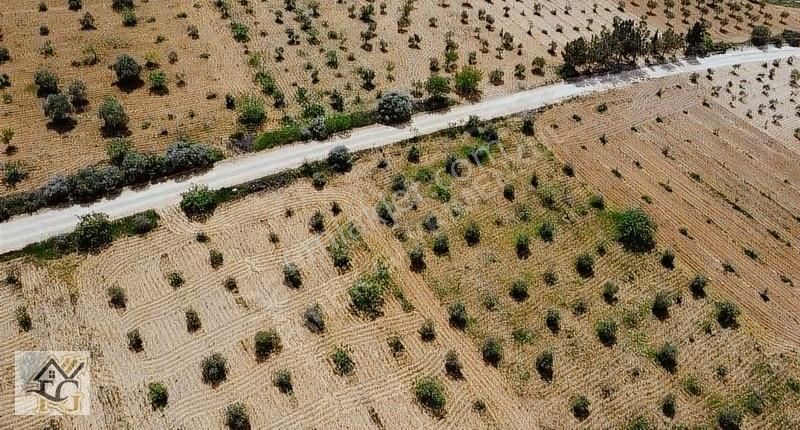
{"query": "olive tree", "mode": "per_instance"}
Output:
(126, 69)
(113, 114)
(395, 107)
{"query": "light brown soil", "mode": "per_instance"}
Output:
(68, 302)
(188, 111)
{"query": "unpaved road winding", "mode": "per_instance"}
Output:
(23, 230)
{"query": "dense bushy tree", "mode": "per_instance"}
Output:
(182, 156)
(623, 44)
(667, 357)
(198, 201)
(4, 54)
(544, 365)
(93, 232)
(438, 87)
(698, 41)
(91, 182)
(122, 4)
(236, 417)
(395, 107)
(760, 35)
(126, 69)
(113, 114)
(58, 107)
(77, 93)
(46, 81)
(467, 81)
(635, 230)
(267, 342)
(215, 368)
(339, 159)
(158, 395)
(430, 394)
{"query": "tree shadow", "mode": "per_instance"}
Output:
(129, 86)
(108, 132)
(62, 126)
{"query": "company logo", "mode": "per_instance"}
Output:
(52, 383)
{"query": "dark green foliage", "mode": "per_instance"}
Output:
(430, 394)
(158, 395)
(413, 154)
(729, 418)
(283, 380)
(472, 233)
(635, 230)
(430, 222)
(467, 81)
(669, 406)
(192, 321)
(760, 35)
(452, 365)
(135, 342)
(94, 231)
(692, 385)
(129, 18)
(384, 211)
(438, 87)
(24, 320)
(46, 81)
(661, 304)
(215, 369)
(314, 318)
(122, 4)
(522, 245)
(4, 54)
(266, 343)
(113, 114)
(342, 363)
(116, 297)
(215, 258)
(610, 293)
(553, 320)
(754, 403)
(458, 315)
(236, 417)
(584, 265)
(597, 201)
(58, 107)
(441, 245)
(199, 202)
(241, 33)
(143, 224)
(606, 331)
(698, 286)
(250, 110)
(544, 365)
(394, 107)
(519, 290)
(398, 183)
(550, 277)
(698, 41)
(340, 253)
(508, 192)
(492, 351)
(668, 259)
(87, 22)
(547, 231)
(580, 306)
(158, 81)
(367, 293)
(580, 407)
(127, 69)
(175, 279)
(727, 314)
(427, 331)
(568, 170)
(317, 222)
(339, 159)
(291, 276)
(667, 357)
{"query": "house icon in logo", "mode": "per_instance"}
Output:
(58, 385)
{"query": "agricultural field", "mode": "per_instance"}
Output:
(481, 278)
(301, 58)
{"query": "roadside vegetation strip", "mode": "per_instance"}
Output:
(94, 232)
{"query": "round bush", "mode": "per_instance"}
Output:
(215, 369)
(580, 407)
(430, 394)
(57, 107)
(544, 365)
(584, 265)
(395, 107)
(94, 231)
(46, 81)
(266, 343)
(127, 69)
(492, 351)
(635, 230)
(339, 159)
(113, 114)
(519, 290)
(198, 201)
(158, 395)
(606, 331)
(236, 416)
(458, 315)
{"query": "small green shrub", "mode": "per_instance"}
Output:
(135, 342)
(24, 320)
(584, 265)
(698, 286)
(606, 331)
(342, 363)
(729, 418)
(291, 276)
(667, 357)
(452, 365)
(215, 258)
(519, 290)
(314, 318)
(610, 293)
(430, 394)
(552, 320)
(94, 231)
(472, 233)
(727, 314)
(158, 395)
(283, 380)
(661, 305)
(580, 407)
(427, 331)
(669, 406)
(441, 245)
(215, 369)
(544, 365)
(175, 279)
(492, 351)
(192, 321)
(635, 230)
(458, 315)
(236, 417)
(116, 297)
(266, 343)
